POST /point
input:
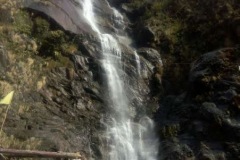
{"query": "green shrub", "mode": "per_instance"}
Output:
(41, 28)
(23, 23)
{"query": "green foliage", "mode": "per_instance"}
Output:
(57, 36)
(23, 23)
(157, 8)
(186, 29)
(31, 34)
(160, 6)
(52, 42)
(137, 3)
(41, 27)
(61, 61)
(198, 25)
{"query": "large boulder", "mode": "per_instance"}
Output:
(215, 72)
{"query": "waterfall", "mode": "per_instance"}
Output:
(127, 140)
(137, 59)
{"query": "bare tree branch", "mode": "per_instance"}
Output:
(39, 154)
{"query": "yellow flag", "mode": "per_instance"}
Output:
(7, 99)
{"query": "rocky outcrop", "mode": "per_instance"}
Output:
(59, 106)
(153, 60)
(205, 118)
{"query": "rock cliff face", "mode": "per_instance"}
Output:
(202, 122)
(51, 57)
(196, 115)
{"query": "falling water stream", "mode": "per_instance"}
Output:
(127, 140)
(137, 59)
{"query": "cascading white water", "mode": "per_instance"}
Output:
(127, 140)
(137, 59)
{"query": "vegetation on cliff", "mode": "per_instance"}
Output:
(30, 46)
(57, 101)
(199, 42)
(195, 104)
(185, 29)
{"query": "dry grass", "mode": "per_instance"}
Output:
(12, 142)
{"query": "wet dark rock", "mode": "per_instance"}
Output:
(233, 150)
(150, 54)
(80, 62)
(174, 151)
(90, 50)
(118, 2)
(144, 35)
(206, 72)
(212, 113)
(154, 62)
(206, 153)
(208, 112)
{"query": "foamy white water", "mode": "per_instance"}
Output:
(128, 140)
